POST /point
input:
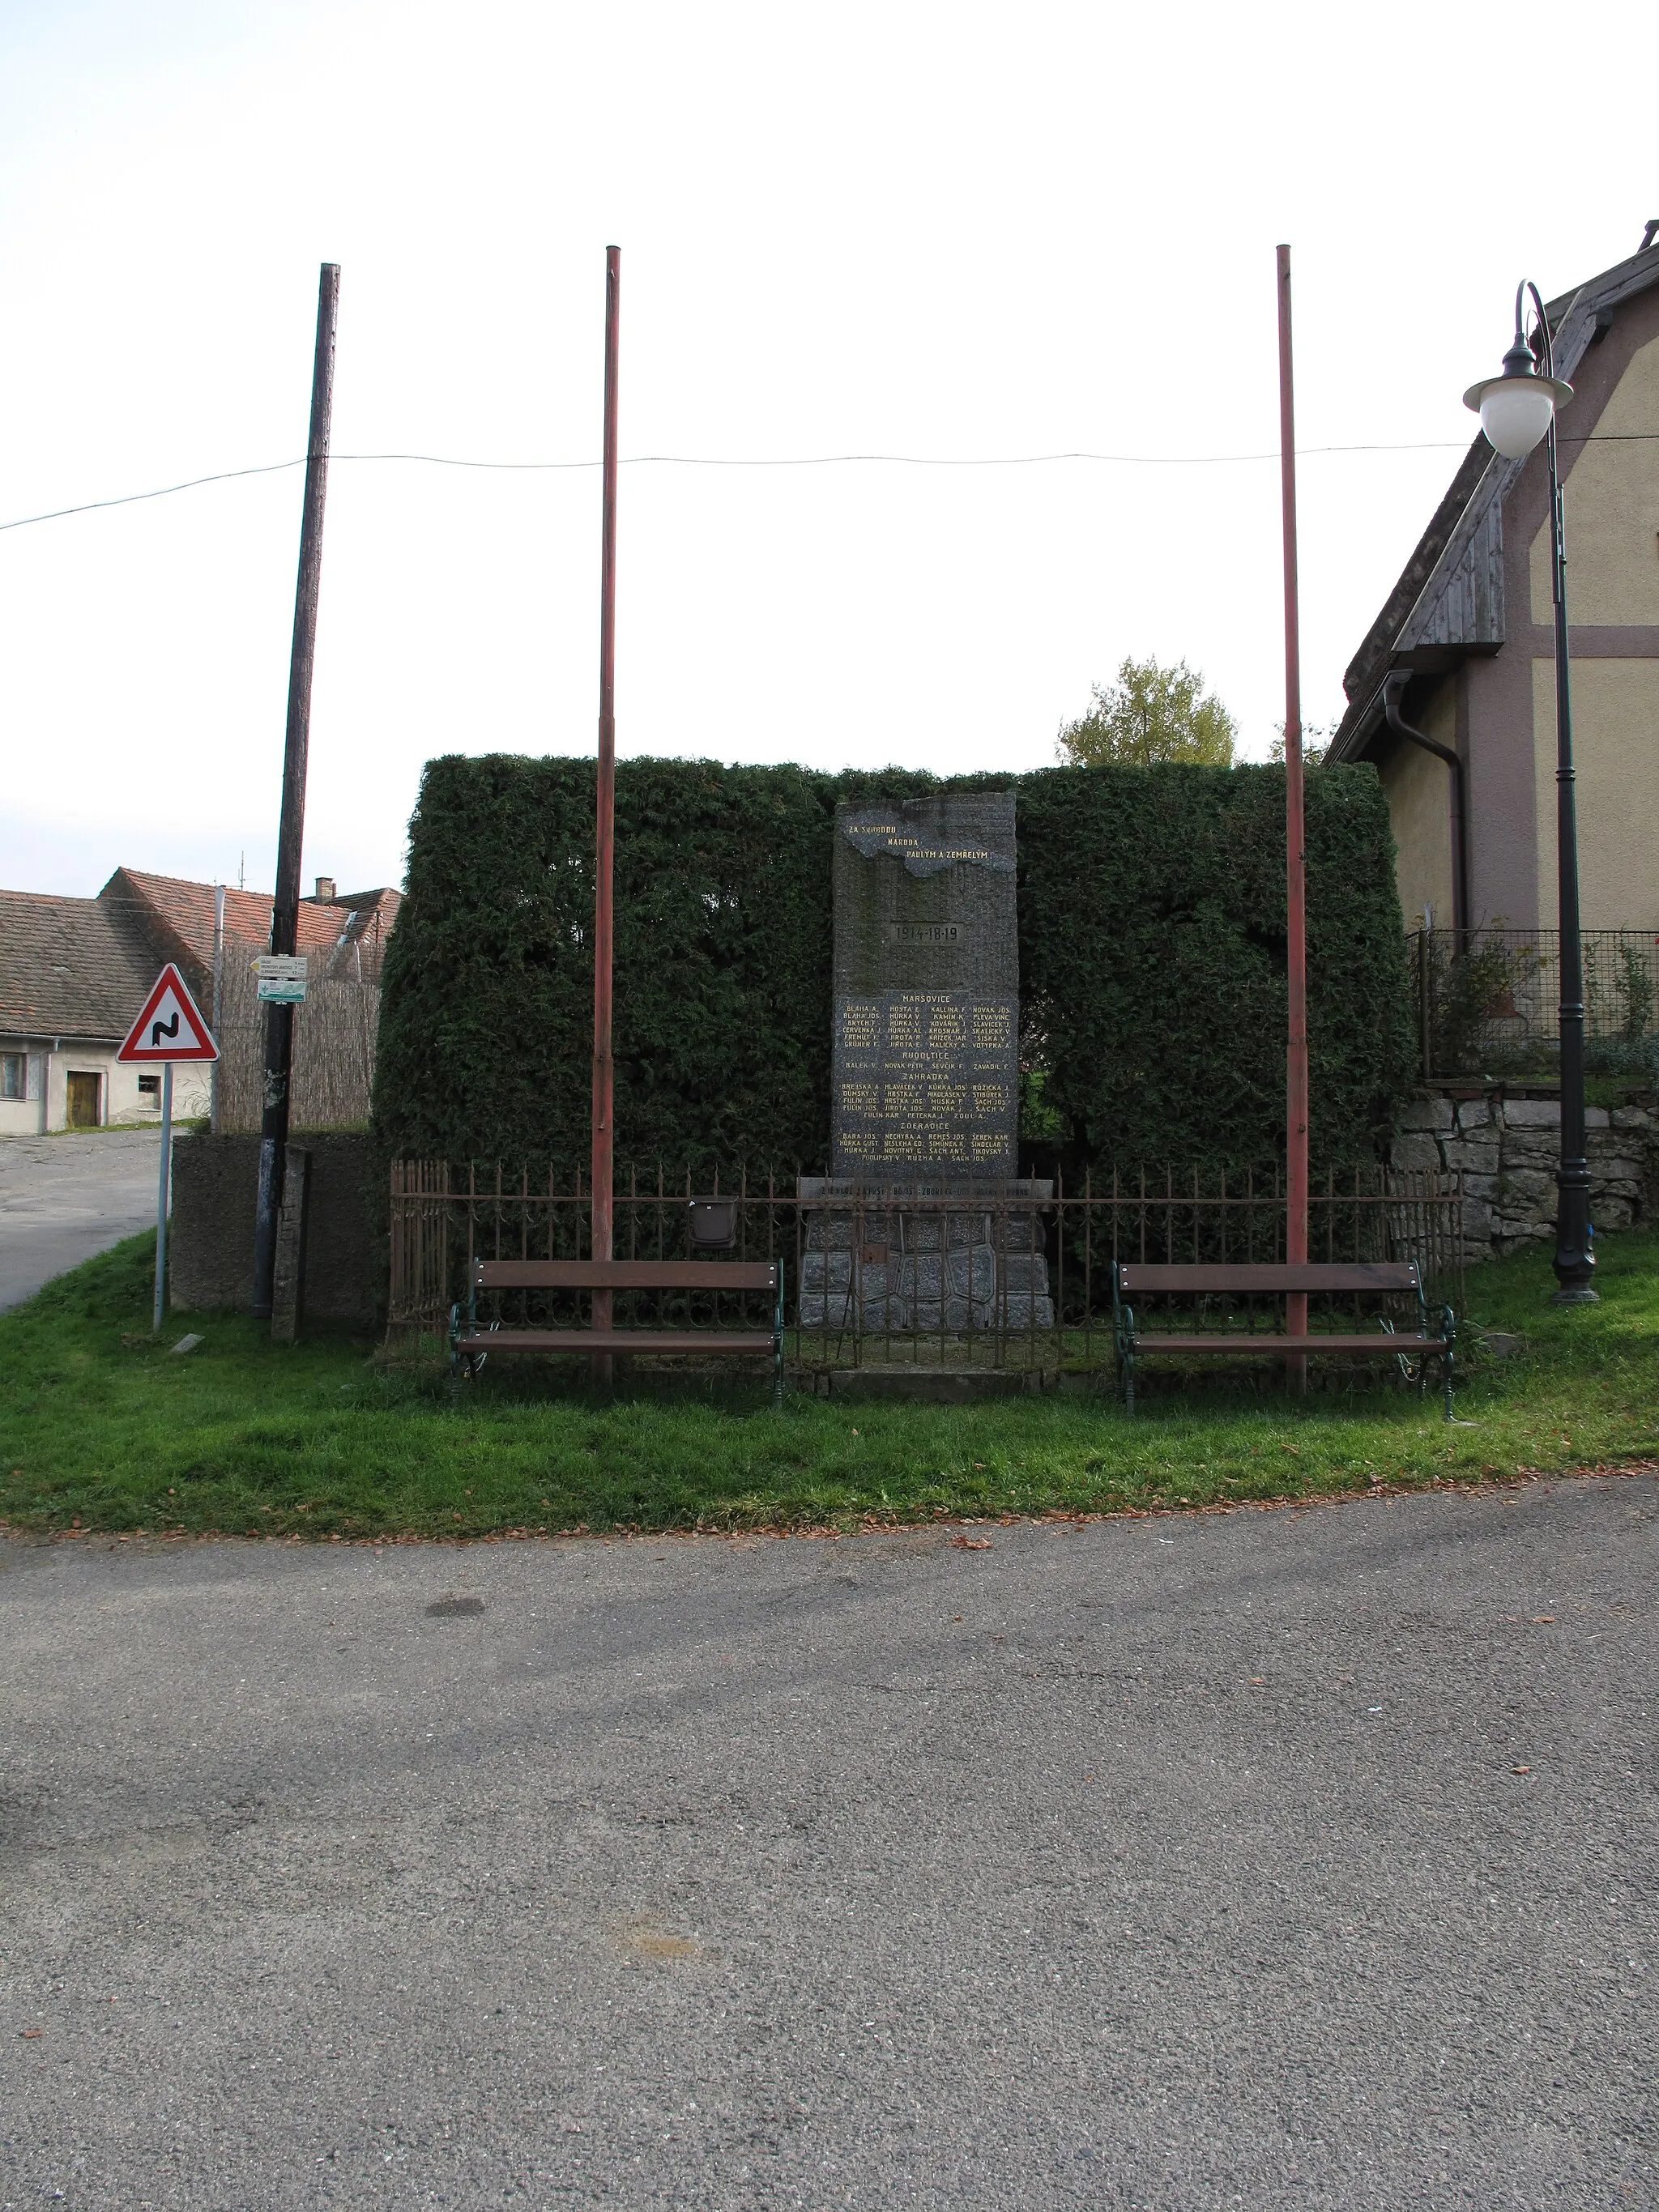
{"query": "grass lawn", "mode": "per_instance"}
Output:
(104, 1428)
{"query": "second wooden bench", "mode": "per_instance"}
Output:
(1374, 1278)
(471, 1343)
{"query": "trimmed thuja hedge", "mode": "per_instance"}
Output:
(1152, 928)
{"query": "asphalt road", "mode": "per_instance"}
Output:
(1294, 1859)
(64, 1198)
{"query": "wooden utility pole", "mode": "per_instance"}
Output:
(604, 839)
(1295, 870)
(290, 836)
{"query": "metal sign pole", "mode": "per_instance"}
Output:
(162, 1199)
(170, 1012)
(218, 992)
(1296, 862)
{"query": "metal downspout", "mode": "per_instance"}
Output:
(1394, 690)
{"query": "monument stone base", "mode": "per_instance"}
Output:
(924, 1255)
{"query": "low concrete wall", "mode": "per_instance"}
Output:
(216, 1182)
(1507, 1148)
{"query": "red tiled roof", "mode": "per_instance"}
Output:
(334, 927)
(181, 914)
(80, 967)
(71, 967)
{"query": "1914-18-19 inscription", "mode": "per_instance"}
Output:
(925, 932)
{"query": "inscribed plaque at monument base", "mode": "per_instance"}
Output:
(923, 1223)
(926, 1053)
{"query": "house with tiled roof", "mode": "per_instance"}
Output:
(73, 976)
(341, 935)
(1451, 694)
(73, 973)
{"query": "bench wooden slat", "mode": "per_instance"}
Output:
(625, 1274)
(1266, 1341)
(616, 1340)
(1375, 1275)
(1276, 1279)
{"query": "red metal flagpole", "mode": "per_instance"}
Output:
(604, 839)
(1295, 901)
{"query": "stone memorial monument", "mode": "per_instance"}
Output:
(925, 1073)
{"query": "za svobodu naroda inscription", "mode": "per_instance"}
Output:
(925, 1061)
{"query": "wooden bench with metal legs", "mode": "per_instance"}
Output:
(1377, 1278)
(471, 1344)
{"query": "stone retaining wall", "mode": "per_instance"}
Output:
(216, 1182)
(1507, 1148)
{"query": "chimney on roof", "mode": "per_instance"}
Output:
(324, 888)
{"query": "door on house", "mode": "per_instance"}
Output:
(83, 1100)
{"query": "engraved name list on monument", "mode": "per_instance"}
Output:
(924, 1063)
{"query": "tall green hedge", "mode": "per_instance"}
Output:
(1151, 922)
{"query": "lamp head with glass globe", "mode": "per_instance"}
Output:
(1517, 406)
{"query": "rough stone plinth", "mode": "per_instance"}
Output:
(924, 1256)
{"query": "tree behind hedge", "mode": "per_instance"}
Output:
(1151, 713)
(1151, 924)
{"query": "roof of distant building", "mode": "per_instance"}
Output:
(331, 931)
(71, 967)
(80, 967)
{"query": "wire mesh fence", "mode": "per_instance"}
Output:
(1488, 1001)
(1012, 1275)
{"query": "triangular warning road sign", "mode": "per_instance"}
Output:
(171, 1026)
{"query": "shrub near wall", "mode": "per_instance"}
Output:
(1152, 920)
(721, 966)
(1152, 963)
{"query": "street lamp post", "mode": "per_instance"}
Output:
(1516, 409)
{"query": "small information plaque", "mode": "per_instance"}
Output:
(281, 977)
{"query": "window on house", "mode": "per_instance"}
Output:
(149, 1090)
(14, 1075)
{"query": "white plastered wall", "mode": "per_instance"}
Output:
(1418, 787)
(120, 1102)
(1611, 501)
(22, 1117)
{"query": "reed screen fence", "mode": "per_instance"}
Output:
(335, 1028)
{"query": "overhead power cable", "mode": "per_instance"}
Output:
(785, 461)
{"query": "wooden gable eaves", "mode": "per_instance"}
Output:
(1457, 607)
(1462, 604)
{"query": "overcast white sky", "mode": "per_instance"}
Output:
(902, 228)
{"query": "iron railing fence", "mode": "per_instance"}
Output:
(1016, 1275)
(1488, 1001)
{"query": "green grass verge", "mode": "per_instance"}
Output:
(102, 1426)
